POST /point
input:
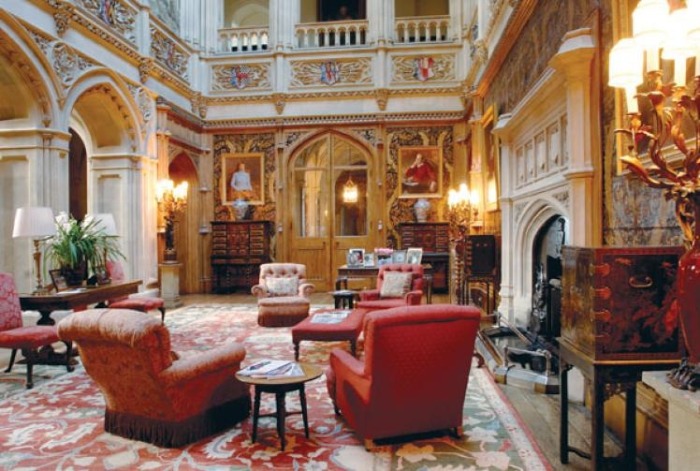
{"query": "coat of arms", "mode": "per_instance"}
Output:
(329, 72)
(423, 68)
(240, 76)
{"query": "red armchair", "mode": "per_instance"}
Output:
(137, 303)
(372, 299)
(415, 372)
(283, 294)
(150, 393)
(27, 339)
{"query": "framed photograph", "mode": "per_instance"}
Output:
(383, 256)
(399, 256)
(420, 172)
(356, 258)
(414, 256)
(369, 259)
(58, 280)
(242, 176)
(101, 275)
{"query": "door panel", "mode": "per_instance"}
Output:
(329, 207)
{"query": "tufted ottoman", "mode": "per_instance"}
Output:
(282, 311)
(348, 329)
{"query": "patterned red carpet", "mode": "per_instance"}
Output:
(59, 424)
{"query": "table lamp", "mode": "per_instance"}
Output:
(36, 223)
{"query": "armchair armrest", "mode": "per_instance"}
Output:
(413, 297)
(305, 289)
(350, 370)
(369, 295)
(224, 357)
(259, 291)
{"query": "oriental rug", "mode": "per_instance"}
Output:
(59, 424)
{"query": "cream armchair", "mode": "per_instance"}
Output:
(283, 294)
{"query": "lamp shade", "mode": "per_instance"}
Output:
(34, 222)
(105, 222)
(626, 61)
(649, 23)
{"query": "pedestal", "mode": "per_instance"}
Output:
(170, 284)
(683, 422)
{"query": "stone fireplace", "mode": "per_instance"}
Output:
(550, 180)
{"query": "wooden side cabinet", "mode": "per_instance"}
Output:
(237, 250)
(434, 239)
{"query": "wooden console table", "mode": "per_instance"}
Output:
(606, 376)
(346, 273)
(67, 300)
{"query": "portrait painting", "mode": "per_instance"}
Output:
(242, 177)
(420, 172)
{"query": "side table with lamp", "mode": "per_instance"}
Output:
(37, 223)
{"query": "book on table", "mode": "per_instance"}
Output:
(330, 317)
(272, 369)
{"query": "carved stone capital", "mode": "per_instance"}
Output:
(279, 100)
(481, 52)
(145, 68)
(199, 105)
(382, 97)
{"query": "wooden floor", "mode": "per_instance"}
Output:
(540, 412)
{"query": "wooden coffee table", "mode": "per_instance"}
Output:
(280, 387)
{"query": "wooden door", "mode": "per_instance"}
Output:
(326, 219)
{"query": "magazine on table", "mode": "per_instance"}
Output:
(330, 317)
(271, 369)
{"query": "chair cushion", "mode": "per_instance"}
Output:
(30, 337)
(138, 304)
(395, 284)
(282, 286)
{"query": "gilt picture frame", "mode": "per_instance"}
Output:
(243, 176)
(420, 172)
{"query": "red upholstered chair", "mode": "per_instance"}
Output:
(27, 339)
(283, 294)
(415, 372)
(372, 299)
(137, 303)
(150, 393)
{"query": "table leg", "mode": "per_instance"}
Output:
(45, 318)
(302, 400)
(281, 415)
(631, 427)
(256, 413)
(597, 421)
(429, 288)
(296, 350)
(336, 301)
(563, 412)
(353, 348)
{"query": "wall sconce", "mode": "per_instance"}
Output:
(171, 200)
(459, 211)
(350, 192)
(37, 223)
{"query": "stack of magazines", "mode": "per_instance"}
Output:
(271, 369)
(330, 317)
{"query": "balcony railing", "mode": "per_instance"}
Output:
(422, 29)
(243, 39)
(332, 34)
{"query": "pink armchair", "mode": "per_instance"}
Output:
(283, 294)
(137, 303)
(415, 372)
(372, 299)
(150, 393)
(29, 339)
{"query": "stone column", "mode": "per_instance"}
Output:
(380, 15)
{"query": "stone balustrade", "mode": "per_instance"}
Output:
(243, 39)
(422, 29)
(332, 34)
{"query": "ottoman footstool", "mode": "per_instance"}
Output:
(282, 311)
(348, 329)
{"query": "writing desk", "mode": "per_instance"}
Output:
(346, 273)
(71, 299)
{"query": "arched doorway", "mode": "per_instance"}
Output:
(77, 176)
(332, 206)
(186, 229)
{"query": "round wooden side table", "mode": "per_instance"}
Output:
(280, 387)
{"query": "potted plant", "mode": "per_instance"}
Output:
(79, 246)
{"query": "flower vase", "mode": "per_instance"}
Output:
(421, 209)
(240, 209)
(689, 307)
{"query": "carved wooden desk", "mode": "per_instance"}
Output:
(607, 377)
(46, 304)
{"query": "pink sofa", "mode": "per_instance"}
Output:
(152, 395)
(414, 375)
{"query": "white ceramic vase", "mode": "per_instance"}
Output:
(421, 209)
(240, 209)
